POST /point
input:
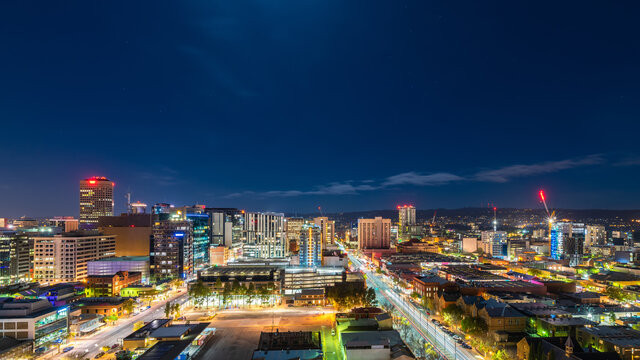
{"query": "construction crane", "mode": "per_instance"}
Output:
(551, 215)
(495, 219)
(320, 210)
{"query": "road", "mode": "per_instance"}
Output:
(90, 345)
(444, 344)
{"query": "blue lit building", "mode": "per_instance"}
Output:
(310, 246)
(555, 243)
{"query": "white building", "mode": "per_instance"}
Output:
(594, 235)
(264, 236)
(498, 241)
(64, 257)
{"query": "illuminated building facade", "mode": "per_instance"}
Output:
(406, 221)
(310, 246)
(96, 199)
(226, 226)
(16, 258)
(497, 241)
(171, 255)
(293, 229)
(594, 235)
(327, 230)
(567, 241)
(264, 236)
(374, 233)
(64, 257)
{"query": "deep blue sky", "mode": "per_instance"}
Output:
(351, 105)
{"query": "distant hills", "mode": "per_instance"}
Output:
(586, 215)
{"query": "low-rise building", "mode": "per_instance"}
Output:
(111, 307)
(620, 339)
(310, 297)
(112, 265)
(301, 345)
(111, 285)
(428, 286)
(33, 319)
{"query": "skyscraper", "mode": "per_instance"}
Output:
(16, 257)
(497, 241)
(406, 222)
(567, 241)
(226, 226)
(264, 236)
(294, 228)
(171, 255)
(374, 233)
(327, 230)
(310, 246)
(96, 199)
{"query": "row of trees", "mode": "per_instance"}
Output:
(172, 310)
(201, 294)
(350, 295)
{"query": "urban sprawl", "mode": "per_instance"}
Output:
(167, 282)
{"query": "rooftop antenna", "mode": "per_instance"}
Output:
(495, 219)
(128, 197)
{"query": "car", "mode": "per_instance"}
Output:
(67, 349)
(100, 354)
(290, 305)
(114, 346)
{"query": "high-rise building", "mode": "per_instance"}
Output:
(64, 257)
(180, 241)
(96, 199)
(171, 255)
(16, 257)
(225, 226)
(594, 235)
(374, 233)
(406, 215)
(264, 235)
(567, 240)
(293, 229)
(327, 230)
(310, 246)
(497, 241)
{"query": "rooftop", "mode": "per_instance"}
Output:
(124, 258)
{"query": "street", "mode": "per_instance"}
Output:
(444, 344)
(89, 346)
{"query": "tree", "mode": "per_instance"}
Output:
(501, 355)
(176, 310)
(615, 293)
(370, 298)
(452, 314)
(168, 309)
(473, 325)
(534, 272)
(128, 306)
(251, 292)
(199, 292)
(226, 292)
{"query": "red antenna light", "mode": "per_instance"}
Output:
(495, 208)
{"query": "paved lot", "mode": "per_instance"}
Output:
(238, 331)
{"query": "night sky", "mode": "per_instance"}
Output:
(350, 105)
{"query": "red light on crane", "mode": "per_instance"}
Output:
(542, 195)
